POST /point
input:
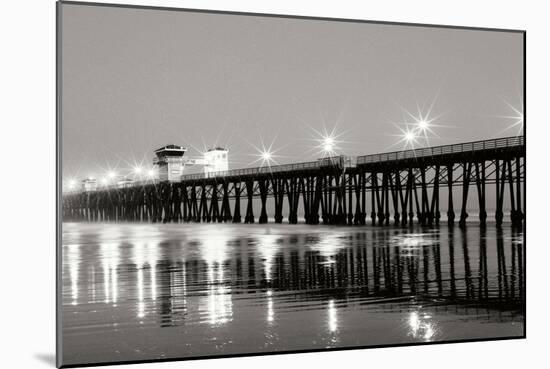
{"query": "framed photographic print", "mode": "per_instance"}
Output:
(247, 184)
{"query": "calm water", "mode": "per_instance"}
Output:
(137, 292)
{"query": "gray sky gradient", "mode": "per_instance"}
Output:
(134, 80)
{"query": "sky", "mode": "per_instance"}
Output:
(134, 80)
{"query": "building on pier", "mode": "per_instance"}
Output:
(216, 160)
(124, 183)
(89, 184)
(340, 161)
(170, 162)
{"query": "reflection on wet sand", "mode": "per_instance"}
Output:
(133, 292)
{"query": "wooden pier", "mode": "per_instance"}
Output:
(390, 188)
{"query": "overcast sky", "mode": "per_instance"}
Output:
(134, 80)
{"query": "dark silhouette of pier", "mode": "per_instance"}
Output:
(394, 187)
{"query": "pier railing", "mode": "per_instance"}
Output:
(497, 143)
(474, 146)
(252, 171)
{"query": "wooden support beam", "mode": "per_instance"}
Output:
(379, 199)
(424, 197)
(292, 193)
(467, 167)
(450, 206)
(226, 208)
(363, 185)
(324, 199)
(356, 179)
(498, 212)
(194, 206)
(249, 217)
(214, 206)
(203, 208)
(185, 203)
(349, 188)
(410, 185)
(331, 200)
(394, 196)
(512, 193)
(278, 197)
(263, 198)
(303, 189)
(480, 185)
(237, 211)
(340, 217)
(386, 187)
(519, 208)
(415, 193)
(296, 199)
(317, 199)
(374, 196)
(402, 199)
(434, 210)
(177, 200)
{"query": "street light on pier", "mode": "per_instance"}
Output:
(265, 155)
(409, 137)
(328, 145)
(423, 125)
(138, 170)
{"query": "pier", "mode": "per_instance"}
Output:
(419, 185)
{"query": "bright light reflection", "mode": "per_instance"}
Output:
(411, 245)
(332, 318)
(329, 245)
(73, 256)
(153, 276)
(141, 305)
(219, 303)
(268, 251)
(145, 256)
(421, 327)
(114, 284)
(270, 312)
(109, 248)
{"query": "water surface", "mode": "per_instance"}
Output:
(150, 291)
